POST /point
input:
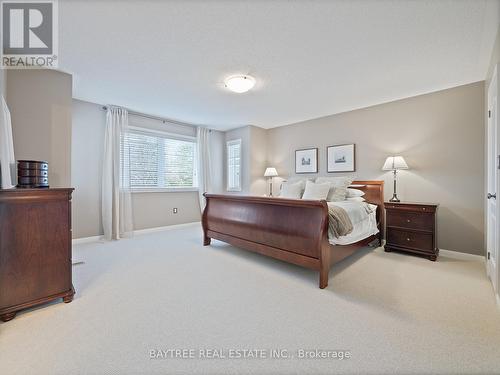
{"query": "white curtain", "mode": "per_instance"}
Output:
(116, 199)
(7, 160)
(204, 163)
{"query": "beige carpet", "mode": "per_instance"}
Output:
(394, 313)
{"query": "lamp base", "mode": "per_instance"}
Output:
(394, 199)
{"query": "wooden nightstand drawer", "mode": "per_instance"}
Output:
(413, 207)
(410, 220)
(408, 239)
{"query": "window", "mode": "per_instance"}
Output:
(158, 160)
(234, 165)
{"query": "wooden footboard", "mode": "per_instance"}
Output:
(291, 230)
(287, 229)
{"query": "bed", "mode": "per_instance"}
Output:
(291, 230)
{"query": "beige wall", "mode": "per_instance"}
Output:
(218, 143)
(258, 160)
(153, 210)
(150, 210)
(86, 159)
(439, 134)
(40, 107)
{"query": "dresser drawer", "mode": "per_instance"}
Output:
(413, 240)
(410, 220)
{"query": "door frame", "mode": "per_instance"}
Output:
(495, 279)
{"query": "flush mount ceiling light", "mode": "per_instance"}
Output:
(240, 83)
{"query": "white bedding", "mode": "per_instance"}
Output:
(364, 220)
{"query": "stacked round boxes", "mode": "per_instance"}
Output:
(32, 174)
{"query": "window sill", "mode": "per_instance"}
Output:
(165, 190)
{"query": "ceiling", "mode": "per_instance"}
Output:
(310, 59)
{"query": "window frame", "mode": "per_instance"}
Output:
(229, 143)
(169, 135)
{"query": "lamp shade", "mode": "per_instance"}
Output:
(394, 163)
(270, 172)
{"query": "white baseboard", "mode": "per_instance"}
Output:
(161, 229)
(139, 232)
(78, 241)
(457, 254)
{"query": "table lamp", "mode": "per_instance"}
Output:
(270, 172)
(394, 163)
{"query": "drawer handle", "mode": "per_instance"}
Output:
(408, 239)
(423, 208)
(408, 221)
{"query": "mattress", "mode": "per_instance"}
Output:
(364, 220)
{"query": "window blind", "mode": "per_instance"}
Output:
(159, 161)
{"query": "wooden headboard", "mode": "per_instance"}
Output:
(374, 194)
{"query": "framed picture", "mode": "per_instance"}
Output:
(306, 160)
(341, 158)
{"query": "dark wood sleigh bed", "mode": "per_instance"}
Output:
(292, 230)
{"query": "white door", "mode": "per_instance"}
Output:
(493, 160)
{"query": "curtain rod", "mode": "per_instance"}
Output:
(164, 120)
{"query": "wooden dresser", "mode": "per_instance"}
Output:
(412, 227)
(35, 248)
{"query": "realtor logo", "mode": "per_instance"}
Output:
(29, 34)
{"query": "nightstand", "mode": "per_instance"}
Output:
(412, 228)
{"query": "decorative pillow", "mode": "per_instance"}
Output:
(351, 193)
(338, 191)
(316, 191)
(356, 199)
(293, 191)
(296, 179)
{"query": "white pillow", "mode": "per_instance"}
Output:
(338, 191)
(316, 191)
(356, 199)
(295, 179)
(293, 191)
(355, 193)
